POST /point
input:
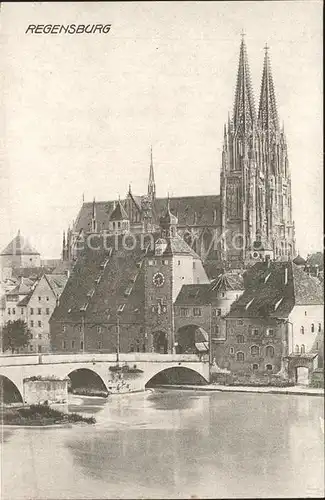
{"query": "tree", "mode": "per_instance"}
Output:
(15, 334)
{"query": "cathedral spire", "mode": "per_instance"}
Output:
(244, 107)
(267, 113)
(151, 182)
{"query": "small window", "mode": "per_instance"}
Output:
(269, 368)
(240, 339)
(81, 345)
(255, 366)
(39, 311)
(31, 336)
(302, 330)
(9, 310)
(47, 311)
(79, 328)
(31, 310)
(73, 344)
(31, 348)
(39, 298)
(317, 346)
(302, 349)
(64, 344)
(184, 312)
(305, 313)
(99, 345)
(197, 311)
(240, 322)
(21, 311)
(297, 350)
(231, 350)
(255, 350)
(39, 323)
(255, 332)
(269, 351)
(13, 311)
(32, 323)
(240, 356)
(179, 263)
(270, 332)
(99, 329)
(165, 262)
(319, 327)
(63, 328)
(312, 328)
(223, 294)
(40, 336)
(218, 312)
(47, 298)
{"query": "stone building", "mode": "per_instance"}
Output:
(121, 292)
(200, 310)
(250, 219)
(272, 327)
(33, 302)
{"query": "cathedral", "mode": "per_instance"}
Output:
(250, 220)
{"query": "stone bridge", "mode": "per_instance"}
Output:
(139, 369)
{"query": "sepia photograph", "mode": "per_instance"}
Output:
(161, 250)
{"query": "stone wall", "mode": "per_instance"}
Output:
(37, 390)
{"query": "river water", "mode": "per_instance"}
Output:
(172, 444)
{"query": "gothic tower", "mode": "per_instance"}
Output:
(274, 164)
(151, 182)
(255, 183)
(239, 170)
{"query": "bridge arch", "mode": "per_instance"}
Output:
(87, 380)
(9, 392)
(191, 338)
(176, 375)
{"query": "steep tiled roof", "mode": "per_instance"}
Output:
(25, 300)
(205, 294)
(228, 281)
(57, 282)
(267, 294)
(23, 287)
(299, 261)
(190, 210)
(32, 273)
(101, 281)
(119, 212)
(19, 246)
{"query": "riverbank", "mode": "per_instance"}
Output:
(295, 390)
(40, 416)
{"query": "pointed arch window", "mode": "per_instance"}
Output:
(302, 349)
(312, 328)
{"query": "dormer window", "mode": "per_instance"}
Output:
(267, 277)
(128, 291)
(249, 303)
(120, 308)
(276, 305)
(84, 307)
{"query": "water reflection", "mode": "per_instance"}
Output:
(177, 445)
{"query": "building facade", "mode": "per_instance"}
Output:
(18, 254)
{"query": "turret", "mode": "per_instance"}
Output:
(119, 222)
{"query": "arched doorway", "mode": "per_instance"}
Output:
(192, 339)
(177, 375)
(87, 382)
(302, 375)
(9, 392)
(160, 342)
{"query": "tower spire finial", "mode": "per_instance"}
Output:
(244, 108)
(151, 182)
(267, 112)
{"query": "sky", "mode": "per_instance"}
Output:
(79, 112)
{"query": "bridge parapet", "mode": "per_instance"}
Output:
(49, 359)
